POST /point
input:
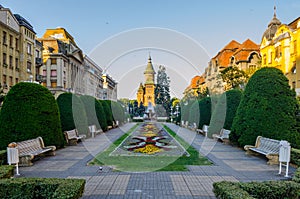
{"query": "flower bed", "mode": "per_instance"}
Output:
(149, 139)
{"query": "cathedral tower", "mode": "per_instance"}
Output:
(146, 93)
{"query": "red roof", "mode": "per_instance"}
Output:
(245, 49)
(223, 57)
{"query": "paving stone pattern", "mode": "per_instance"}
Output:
(230, 164)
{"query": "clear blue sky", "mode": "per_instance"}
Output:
(211, 23)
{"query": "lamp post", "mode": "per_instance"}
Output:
(177, 112)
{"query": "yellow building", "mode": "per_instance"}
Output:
(19, 57)
(280, 48)
(145, 92)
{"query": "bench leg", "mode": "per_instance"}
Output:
(50, 153)
(273, 159)
(72, 142)
(249, 152)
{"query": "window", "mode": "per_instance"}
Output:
(4, 37)
(252, 68)
(4, 79)
(278, 52)
(29, 48)
(37, 53)
(11, 41)
(270, 58)
(44, 73)
(10, 81)
(53, 61)
(17, 63)
(264, 59)
(53, 73)
(4, 60)
(28, 67)
(10, 61)
(17, 80)
(17, 44)
(293, 85)
(53, 84)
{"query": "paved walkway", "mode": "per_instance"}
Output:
(230, 163)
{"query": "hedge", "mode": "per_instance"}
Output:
(7, 171)
(260, 190)
(205, 111)
(42, 188)
(118, 111)
(107, 111)
(296, 176)
(94, 112)
(268, 108)
(3, 157)
(30, 110)
(295, 156)
(72, 113)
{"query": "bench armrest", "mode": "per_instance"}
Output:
(53, 148)
(247, 147)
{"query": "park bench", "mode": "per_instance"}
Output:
(223, 135)
(203, 131)
(265, 146)
(29, 149)
(72, 137)
(94, 130)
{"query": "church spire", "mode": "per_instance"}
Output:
(149, 72)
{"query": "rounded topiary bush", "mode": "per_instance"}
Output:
(194, 114)
(30, 110)
(118, 111)
(72, 113)
(205, 111)
(267, 108)
(94, 111)
(108, 112)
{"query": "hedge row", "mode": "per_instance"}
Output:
(295, 156)
(7, 171)
(28, 188)
(261, 190)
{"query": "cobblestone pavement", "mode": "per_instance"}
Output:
(230, 163)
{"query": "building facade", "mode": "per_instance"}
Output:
(245, 57)
(110, 89)
(280, 48)
(196, 87)
(146, 91)
(18, 50)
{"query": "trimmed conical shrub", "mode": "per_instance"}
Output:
(268, 108)
(108, 111)
(72, 113)
(30, 110)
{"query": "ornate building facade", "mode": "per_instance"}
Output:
(146, 91)
(280, 47)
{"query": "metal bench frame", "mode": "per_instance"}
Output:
(72, 137)
(223, 135)
(204, 130)
(94, 131)
(265, 146)
(29, 149)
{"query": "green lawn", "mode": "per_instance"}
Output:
(149, 163)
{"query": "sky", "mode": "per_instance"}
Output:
(182, 35)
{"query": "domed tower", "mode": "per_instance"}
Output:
(272, 27)
(140, 95)
(149, 97)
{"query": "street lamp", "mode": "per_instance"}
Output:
(177, 112)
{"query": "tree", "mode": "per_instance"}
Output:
(72, 113)
(162, 92)
(30, 110)
(205, 107)
(267, 108)
(234, 77)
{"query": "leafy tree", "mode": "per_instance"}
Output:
(234, 77)
(141, 110)
(162, 91)
(118, 111)
(72, 113)
(268, 108)
(30, 110)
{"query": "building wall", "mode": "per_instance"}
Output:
(282, 52)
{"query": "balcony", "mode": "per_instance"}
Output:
(38, 62)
